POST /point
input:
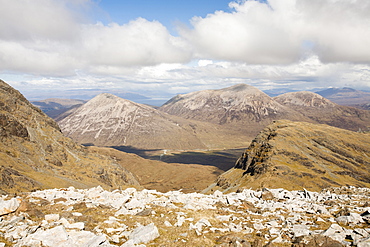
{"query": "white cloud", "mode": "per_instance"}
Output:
(166, 80)
(140, 42)
(295, 43)
(278, 32)
(37, 19)
(47, 37)
(339, 29)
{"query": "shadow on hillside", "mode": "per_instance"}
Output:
(224, 159)
(145, 153)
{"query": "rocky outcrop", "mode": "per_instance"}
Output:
(269, 217)
(34, 153)
(296, 155)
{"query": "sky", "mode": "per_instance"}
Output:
(160, 48)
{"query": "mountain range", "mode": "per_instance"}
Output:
(249, 108)
(108, 120)
(209, 119)
(35, 154)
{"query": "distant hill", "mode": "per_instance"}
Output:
(241, 107)
(324, 111)
(296, 155)
(55, 107)
(34, 154)
(346, 96)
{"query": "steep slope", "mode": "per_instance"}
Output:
(322, 110)
(34, 153)
(108, 120)
(346, 96)
(296, 155)
(241, 107)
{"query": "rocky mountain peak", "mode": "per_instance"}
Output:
(304, 98)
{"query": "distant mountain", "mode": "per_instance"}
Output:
(322, 110)
(297, 155)
(54, 107)
(241, 106)
(108, 120)
(277, 91)
(34, 154)
(346, 96)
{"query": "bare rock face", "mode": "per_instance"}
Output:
(322, 110)
(109, 120)
(296, 155)
(34, 153)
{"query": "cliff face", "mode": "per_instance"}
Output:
(34, 153)
(296, 155)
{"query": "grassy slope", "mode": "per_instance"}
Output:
(296, 155)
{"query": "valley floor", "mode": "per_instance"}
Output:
(96, 217)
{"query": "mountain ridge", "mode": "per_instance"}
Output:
(296, 155)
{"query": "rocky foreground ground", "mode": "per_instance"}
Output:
(268, 217)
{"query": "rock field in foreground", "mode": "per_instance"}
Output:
(272, 217)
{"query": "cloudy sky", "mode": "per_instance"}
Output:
(164, 47)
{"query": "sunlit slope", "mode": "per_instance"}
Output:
(34, 153)
(296, 155)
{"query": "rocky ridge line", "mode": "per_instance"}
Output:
(295, 155)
